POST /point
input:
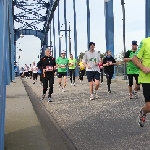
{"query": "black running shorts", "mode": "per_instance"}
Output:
(146, 91)
(61, 74)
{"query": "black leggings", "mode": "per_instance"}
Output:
(72, 73)
(81, 74)
(109, 77)
(26, 74)
(34, 76)
(102, 74)
(130, 78)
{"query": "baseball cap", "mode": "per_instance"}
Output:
(134, 42)
(63, 52)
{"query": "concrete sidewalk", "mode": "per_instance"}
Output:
(22, 128)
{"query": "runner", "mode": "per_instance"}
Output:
(142, 60)
(132, 70)
(48, 64)
(72, 66)
(35, 72)
(101, 69)
(108, 63)
(91, 60)
(30, 71)
(62, 63)
(26, 71)
(81, 71)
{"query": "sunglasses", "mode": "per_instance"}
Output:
(63, 53)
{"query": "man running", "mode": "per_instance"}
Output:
(132, 70)
(30, 71)
(62, 63)
(35, 72)
(48, 64)
(142, 60)
(72, 66)
(91, 60)
(108, 63)
(26, 71)
(101, 69)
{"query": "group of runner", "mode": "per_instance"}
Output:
(138, 66)
(30, 71)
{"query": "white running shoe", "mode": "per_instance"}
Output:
(91, 97)
(63, 90)
(49, 100)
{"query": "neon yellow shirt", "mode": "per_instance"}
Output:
(81, 66)
(143, 53)
(73, 63)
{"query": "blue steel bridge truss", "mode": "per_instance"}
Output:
(30, 18)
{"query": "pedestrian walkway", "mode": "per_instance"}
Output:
(22, 128)
(107, 123)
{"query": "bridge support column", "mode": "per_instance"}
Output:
(88, 24)
(65, 21)
(75, 34)
(109, 23)
(147, 18)
(3, 9)
(109, 27)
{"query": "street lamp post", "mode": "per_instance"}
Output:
(123, 12)
(68, 37)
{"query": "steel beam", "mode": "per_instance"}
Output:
(88, 23)
(147, 18)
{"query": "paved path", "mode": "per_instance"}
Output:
(107, 123)
(22, 128)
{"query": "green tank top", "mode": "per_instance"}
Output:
(131, 67)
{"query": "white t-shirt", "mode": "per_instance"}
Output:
(30, 68)
(34, 69)
(91, 58)
(25, 69)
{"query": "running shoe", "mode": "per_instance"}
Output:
(109, 91)
(49, 99)
(95, 94)
(135, 94)
(63, 90)
(91, 97)
(43, 96)
(130, 95)
(59, 87)
(142, 118)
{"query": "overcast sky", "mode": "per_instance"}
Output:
(135, 28)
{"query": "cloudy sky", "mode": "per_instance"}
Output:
(135, 28)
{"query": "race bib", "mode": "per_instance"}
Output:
(63, 66)
(49, 68)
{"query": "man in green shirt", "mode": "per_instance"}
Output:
(132, 69)
(72, 66)
(62, 63)
(142, 60)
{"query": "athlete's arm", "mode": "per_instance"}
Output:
(137, 62)
(84, 60)
(127, 57)
(105, 63)
(138, 56)
(114, 62)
